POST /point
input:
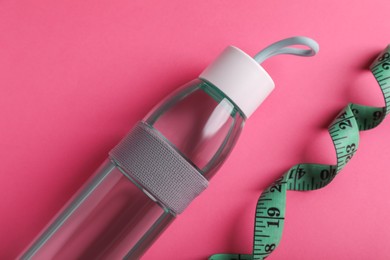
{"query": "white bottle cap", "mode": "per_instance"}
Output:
(240, 78)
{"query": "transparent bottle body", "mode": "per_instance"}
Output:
(114, 217)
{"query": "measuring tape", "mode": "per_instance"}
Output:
(344, 131)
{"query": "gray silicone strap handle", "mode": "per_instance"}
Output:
(281, 47)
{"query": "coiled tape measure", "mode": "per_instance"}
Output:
(344, 131)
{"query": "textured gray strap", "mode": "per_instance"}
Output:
(148, 158)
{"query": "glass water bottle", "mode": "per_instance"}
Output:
(163, 163)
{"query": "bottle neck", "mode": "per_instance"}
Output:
(201, 123)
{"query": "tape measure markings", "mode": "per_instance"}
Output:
(344, 132)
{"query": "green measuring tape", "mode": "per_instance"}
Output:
(344, 131)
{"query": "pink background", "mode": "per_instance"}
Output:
(76, 75)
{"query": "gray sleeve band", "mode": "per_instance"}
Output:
(146, 156)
